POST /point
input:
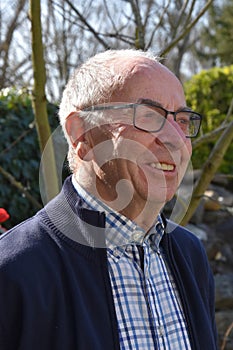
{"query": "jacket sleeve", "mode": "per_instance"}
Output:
(10, 308)
(189, 265)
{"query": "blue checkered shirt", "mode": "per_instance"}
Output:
(147, 305)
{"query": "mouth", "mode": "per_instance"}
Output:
(162, 166)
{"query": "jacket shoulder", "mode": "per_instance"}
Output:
(22, 246)
(183, 236)
(187, 247)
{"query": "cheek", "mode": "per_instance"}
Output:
(188, 149)
(137, 141)
(128, 142)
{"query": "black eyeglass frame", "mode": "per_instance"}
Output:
(146, 103)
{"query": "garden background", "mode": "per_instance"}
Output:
(42, 42)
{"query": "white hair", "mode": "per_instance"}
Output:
(94, 82)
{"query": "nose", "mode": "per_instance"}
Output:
(171, 136)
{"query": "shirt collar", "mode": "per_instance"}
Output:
(119, 230)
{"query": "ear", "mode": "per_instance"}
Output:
(75, 129)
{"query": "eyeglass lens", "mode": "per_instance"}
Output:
(153, 118)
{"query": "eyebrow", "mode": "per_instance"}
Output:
(156, 103)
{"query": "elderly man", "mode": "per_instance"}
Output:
(99, 267)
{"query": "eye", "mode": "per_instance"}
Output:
(183, 121)
(183, 118)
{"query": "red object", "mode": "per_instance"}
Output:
(3, 215)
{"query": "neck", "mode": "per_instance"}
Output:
(122, 199)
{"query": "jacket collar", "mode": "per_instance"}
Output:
(67, 217)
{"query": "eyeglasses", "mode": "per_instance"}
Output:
(149, 117)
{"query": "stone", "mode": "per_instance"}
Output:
(224, 291)
(224, 196)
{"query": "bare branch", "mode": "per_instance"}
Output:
(20, 187)
(187, 29)
(109, 16)
(91, 29)
(147, 12)
(226, 335)
(229, 112)
(140, 32)
(124, 38)
(5, 45)
(213, 134)
(209, 136)
(189, 17)
(158, 25)
(182, 13)
(19, 138)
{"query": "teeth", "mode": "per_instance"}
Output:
(162, 166)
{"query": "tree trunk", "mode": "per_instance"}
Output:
(209, 169)
(39, 103)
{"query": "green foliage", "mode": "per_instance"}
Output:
(210, 93)
(19, 152)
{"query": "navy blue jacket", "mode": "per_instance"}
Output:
(55, 291)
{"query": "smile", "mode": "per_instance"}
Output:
(162, 166)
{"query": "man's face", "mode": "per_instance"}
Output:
(151, 164)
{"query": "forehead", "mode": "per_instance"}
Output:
(150, 80)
